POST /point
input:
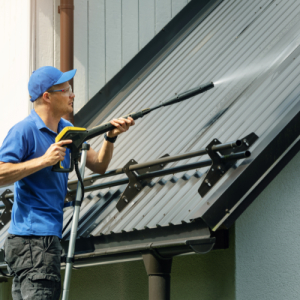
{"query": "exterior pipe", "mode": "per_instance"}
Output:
(158, 270)
(67, 42)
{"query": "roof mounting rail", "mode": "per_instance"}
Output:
(150, 173)
(221, 163)
(139, 175)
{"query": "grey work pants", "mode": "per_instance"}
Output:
(35, 263)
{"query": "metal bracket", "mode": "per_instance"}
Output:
(6, 214)
(220, 167)
(135, 186)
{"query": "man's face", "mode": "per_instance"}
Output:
(62, 102)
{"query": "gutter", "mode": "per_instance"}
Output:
(135, 252)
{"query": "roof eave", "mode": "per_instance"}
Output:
(188, 238)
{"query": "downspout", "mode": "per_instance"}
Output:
(158, 270)
(158, 264)
(66, 10)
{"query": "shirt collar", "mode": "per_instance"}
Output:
(40, 123)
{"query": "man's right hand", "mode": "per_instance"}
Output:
(56, 152)
(12, 172)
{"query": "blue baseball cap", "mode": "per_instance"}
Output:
(45, 77)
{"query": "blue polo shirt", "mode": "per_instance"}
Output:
(39, 197)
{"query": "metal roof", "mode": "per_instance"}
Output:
(250, 50)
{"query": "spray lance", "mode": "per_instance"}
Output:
(79, 136)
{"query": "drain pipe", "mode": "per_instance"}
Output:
(158, 270)
(66, 10)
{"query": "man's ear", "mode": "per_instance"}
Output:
(46, 97)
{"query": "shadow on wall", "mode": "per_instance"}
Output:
(193, 277)
(205, 277)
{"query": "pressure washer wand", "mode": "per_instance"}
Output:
(80, 135)
(136, 115)
(185, 95)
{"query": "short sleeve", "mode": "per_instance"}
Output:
(15, 146)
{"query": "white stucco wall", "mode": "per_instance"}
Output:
(268, 241)
(14, 62)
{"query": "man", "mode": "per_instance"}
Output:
(32, 248)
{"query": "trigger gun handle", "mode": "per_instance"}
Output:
(74, 155)
(59, 168)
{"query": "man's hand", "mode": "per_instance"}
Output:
(121, 124)
(98, 162)
(12, 172)
(56, 152)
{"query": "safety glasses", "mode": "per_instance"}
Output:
(69, 89)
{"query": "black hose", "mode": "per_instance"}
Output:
(82, 194)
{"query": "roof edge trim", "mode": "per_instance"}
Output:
(291, 153)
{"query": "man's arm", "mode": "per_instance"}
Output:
(98, 162)
(12, 172)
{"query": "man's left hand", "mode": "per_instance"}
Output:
(121, 125)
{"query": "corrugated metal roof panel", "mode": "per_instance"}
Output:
(253, 48)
